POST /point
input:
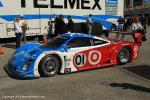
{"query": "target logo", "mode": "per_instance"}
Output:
(94, 57)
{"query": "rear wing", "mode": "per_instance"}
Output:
(136, 36)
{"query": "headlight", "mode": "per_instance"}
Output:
(27, 64)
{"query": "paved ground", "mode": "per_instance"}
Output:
(114, 83)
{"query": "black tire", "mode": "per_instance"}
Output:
(124, 55)
(49, 66)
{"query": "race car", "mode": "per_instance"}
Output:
(70, 53)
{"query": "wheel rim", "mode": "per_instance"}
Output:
(49, 65)
(124, 55)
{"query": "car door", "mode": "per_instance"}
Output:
(87, 53)
(103, 48)
(76, 46)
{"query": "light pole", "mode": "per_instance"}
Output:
(40, 19)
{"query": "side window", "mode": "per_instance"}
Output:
(79, 42)
(98, 42)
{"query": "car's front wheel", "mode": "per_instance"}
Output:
(49, 66)
(124, 55)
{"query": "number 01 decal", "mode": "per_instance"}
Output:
(94, 58)
(80, 60)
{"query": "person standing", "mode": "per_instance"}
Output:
(56, 25)
(120, 24)
(137, 27)
(70, 25)
(62, 25)
(125, 24)
(89, 24)
(120, 27)
(143, 22)
(18, 32)
(24, 25)
(49, 27)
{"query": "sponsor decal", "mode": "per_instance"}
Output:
(80, 60)
(94, 57)
(111, 7)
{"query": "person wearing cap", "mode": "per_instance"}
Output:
(18, 32)
(24, 25)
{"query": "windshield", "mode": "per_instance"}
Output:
(56, 42)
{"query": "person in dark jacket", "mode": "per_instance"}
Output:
(56, 21)
(70, 25)
(89, 24)
(60, 26)
(121, 23)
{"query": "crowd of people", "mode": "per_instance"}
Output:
(124, 24)
(55, 27)
(58, 26)
(129, 20)
(134, 24)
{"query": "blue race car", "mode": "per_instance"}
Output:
(70, 53)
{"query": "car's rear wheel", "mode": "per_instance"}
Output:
(124, 55)
(49, 66)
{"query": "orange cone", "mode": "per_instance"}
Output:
(1, 50)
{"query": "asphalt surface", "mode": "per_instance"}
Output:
(113, 83)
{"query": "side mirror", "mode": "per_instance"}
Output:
(65, 48)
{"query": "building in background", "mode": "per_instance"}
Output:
(138, 7)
